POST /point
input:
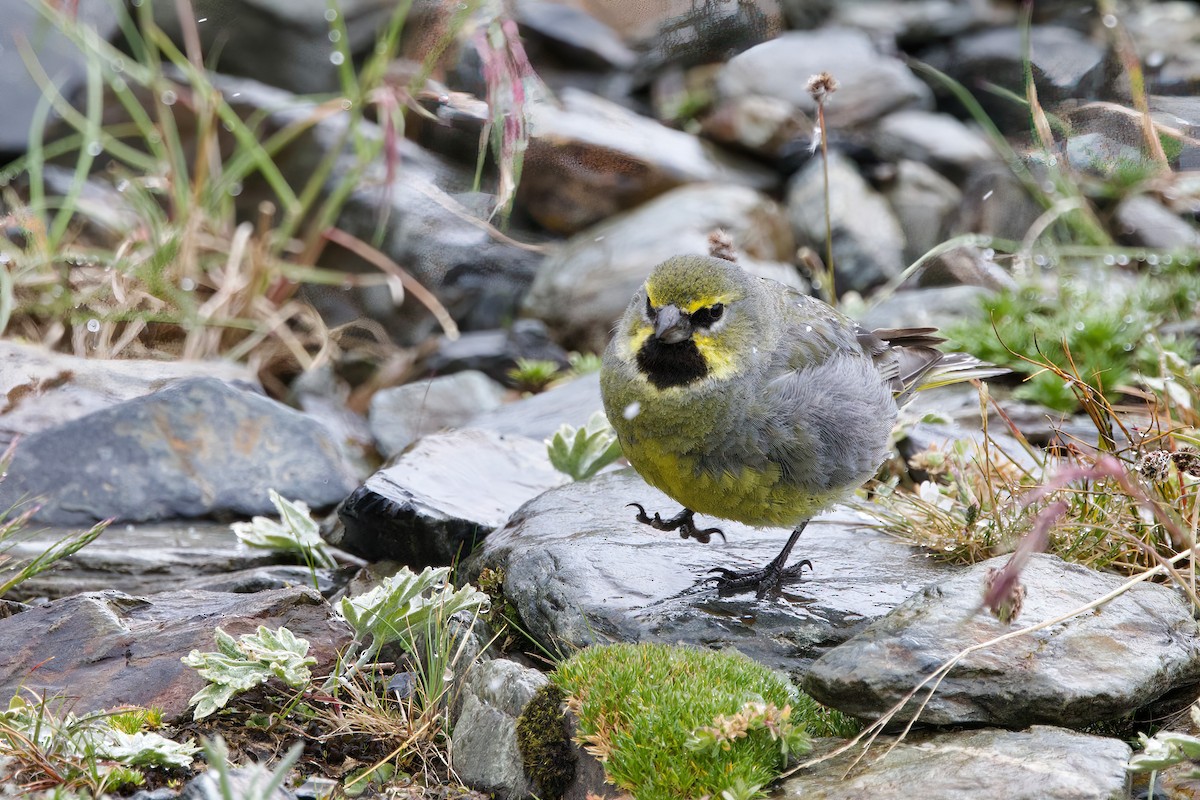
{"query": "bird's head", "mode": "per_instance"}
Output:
(693, 319)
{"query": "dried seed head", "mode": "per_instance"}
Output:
(1187, 461)
(821, 86)
(720, 245)
(1004, 594)
(1154, 466)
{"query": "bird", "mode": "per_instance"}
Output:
(748, 400)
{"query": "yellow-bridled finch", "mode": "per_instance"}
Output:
(744, 399)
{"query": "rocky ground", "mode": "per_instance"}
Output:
(611, 185)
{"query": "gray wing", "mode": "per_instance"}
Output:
(828, 425)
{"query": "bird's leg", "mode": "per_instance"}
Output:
(681, 522)
(765, 581)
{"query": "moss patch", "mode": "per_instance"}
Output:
(640, 708)
(546, 749)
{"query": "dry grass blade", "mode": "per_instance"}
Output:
(390, 267)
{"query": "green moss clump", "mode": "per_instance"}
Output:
(641, 706)
(546, 749)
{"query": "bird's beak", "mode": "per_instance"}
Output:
(671, 326)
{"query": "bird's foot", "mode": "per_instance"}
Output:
(682, 522)
(766, 581)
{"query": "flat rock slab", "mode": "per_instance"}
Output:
(442, 497)
(1092, 667)
(40, 389)
(106, 649)
(1042, 763)
(140, 559)
(580, 569)
(197, 448)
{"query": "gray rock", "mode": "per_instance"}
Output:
(1144, 221)
(1087, 669)
(495, 352)
(107, 649)
(40, 389)
(1065, 63)
(994, 203)
(939, 140)
(1182, 113)
(282, 576)
(935, 306)
(589, 158)
(803, 15)
(402, 414)
(708, 33)
(484, 741)
(580, 570)
(1041, 763)
(967, 265)
(868, 243)
(922, 200)
(442, 497)
(140, 559)
(279, 42)
(65, 65)
(196, 448)
(538, 417)
(1165, 36)
(583, 288)
(916, 23)
(871, 83)
(573, 35)
(768, 126)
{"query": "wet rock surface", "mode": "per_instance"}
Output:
(42, 389)
(580, 569)
(1085, 669)
(1040, 763)
(442, 497)
(583, 288)
(198, 447)
(107, 649)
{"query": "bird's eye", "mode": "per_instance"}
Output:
(703, 317)
(651, 311)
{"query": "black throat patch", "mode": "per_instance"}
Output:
(667, 365)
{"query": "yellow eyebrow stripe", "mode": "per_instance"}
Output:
(694, 305)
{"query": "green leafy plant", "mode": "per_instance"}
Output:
(256, 782)
(399, 609)
(671, 722)
(1167, 749)
(97, 752)
(248, 661)
(1108, 337)
(582, 452)
(296, 532)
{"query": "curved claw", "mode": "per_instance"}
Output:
(641, 517)
(704, 536)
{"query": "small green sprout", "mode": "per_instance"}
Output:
(244, 663)
(1168, 748)
(534, 375)
(298, 533)
(582, 452)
